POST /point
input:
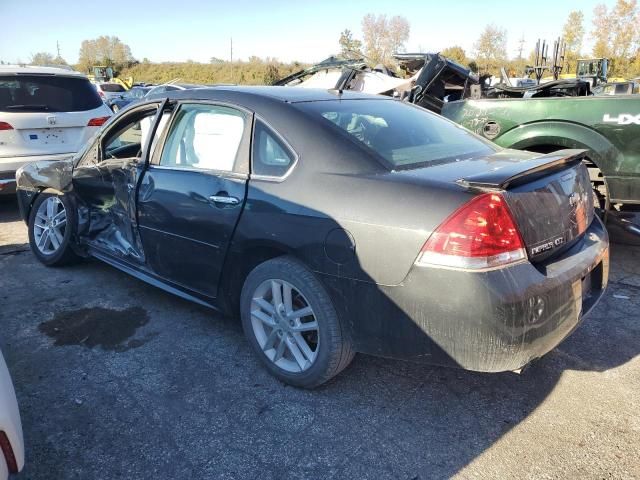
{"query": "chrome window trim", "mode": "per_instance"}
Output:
(157, 157)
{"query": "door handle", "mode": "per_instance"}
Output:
(225, 199)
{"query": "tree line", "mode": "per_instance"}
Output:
(615, 31)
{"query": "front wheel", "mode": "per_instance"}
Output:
(289, 320)
(51, 228)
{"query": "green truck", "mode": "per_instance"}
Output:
(609, 127)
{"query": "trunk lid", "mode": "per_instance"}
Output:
(550, 197)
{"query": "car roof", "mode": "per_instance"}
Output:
(37, 70)
(283, 94)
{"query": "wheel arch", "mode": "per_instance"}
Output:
(240, 261)
(533, 136)
(26, 199)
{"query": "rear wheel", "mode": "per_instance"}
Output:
(51, 229)
(290, 322)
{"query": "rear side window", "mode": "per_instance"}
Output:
(403, 135)
(112, 87)
(271, 157)
(204, 137)
(47, 93)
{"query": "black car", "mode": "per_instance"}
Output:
(333, 223)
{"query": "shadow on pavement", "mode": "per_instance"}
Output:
(195, 403)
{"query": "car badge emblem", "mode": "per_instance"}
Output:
(51, 120)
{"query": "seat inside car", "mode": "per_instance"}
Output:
(211, 140)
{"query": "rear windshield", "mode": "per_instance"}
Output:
(405, 136)
(112, 87)
(36, 93)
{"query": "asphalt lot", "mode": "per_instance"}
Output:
(116, 379)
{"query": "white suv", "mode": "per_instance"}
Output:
(46, 113)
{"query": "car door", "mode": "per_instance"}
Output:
(193, 192)
(106, 179)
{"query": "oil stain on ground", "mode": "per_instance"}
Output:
(97, 326)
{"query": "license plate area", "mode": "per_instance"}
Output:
(44, 136)
(591, 287)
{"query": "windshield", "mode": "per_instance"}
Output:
(47, 93)
(137, 92)
(405, 136)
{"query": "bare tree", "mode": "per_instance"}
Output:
(104, 50)
(349, 47)
(456, 53)
(617, 35)
(45, 58)
(491, 49)
(572, 34)
(383, 37)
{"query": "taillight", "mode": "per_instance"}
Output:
(5, 448)
(97, 122)
(5, 126)
(479, 235)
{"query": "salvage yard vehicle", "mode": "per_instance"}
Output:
(45, 114)
(11, 441)
(629, 87)
(130, 96)
(334, 223)
(608, 127)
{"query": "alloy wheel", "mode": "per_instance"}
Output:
(285, 325)
(50, 225)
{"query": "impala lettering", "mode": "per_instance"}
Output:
(622, 119)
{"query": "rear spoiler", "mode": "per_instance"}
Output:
(523, 171)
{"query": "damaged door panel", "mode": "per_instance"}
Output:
(107, 180)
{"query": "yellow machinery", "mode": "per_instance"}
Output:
(105, 74)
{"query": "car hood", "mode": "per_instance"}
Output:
(46, 174)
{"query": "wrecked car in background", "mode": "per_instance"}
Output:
(608, 127)
(431, 79)
(334, 223)
(542, 118)
(355, 75)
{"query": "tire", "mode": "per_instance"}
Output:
(329, 345)
(56, 249)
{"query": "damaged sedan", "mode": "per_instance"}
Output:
(332, 223)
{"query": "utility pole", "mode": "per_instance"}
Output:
(231, 59)
(521, 48)
(58, 47)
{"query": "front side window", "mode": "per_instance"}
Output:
(271, 157)
(127, 138)
(204, 137)
(404, 136)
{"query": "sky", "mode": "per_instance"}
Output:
(308, 31)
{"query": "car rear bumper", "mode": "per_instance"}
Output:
(491, 321)
(10, 165)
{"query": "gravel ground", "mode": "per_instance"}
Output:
(116, 379)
